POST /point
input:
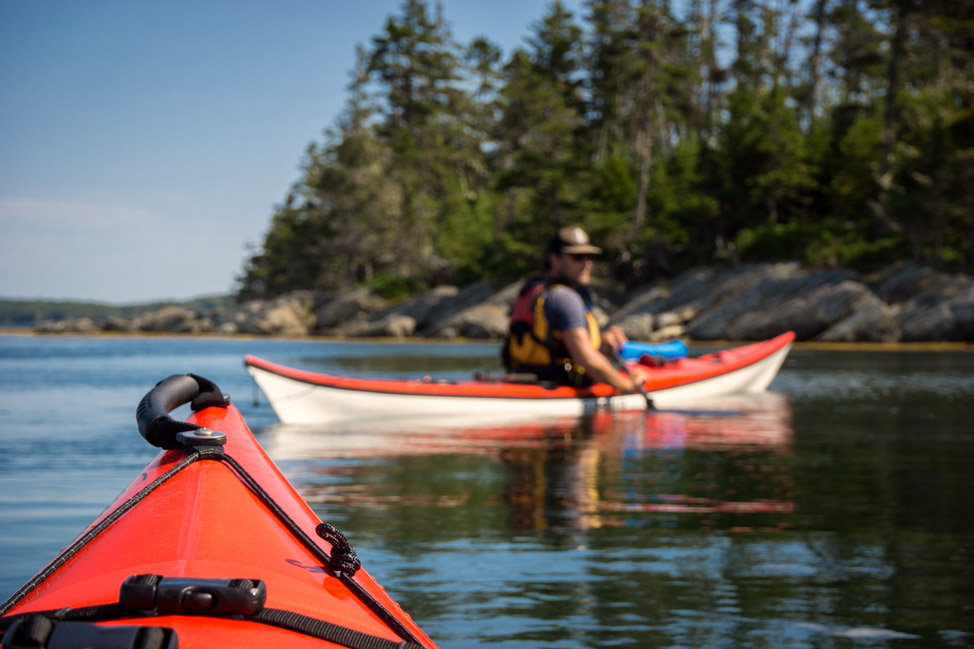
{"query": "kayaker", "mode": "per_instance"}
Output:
(553, 333)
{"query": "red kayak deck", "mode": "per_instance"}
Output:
(206, 522)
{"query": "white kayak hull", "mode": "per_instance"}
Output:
(301, 397)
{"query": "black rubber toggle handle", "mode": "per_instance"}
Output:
(188, 595)
(152, 415)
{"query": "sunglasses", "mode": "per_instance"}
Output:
(580, 256)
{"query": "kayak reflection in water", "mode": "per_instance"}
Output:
(726, 467)
(702, 470)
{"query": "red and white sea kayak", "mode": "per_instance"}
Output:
(304, 397)
(210, 546)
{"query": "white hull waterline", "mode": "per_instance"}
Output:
(301, 397)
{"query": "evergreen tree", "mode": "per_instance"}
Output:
(542, 166)
(643, 105)
(437, 163)
(766, 170)
(928, 143)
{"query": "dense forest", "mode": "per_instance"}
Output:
(833, 132)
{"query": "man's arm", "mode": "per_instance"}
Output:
(596, 365)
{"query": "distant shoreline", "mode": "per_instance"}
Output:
(902, 307)
(939, 347)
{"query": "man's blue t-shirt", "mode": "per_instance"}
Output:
(565, 309)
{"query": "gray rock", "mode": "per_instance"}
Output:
(670, 332)
(117, 324)
(396, 326)
(205, 325)
(647, 328)
(785, 299)
(719, 299)
(812, 308)
(942, 313)
(669, 319)
(935, 323)
(280, 320)
(83, 325)
(711, 289)
(391, 326)
(488, 321)
(288, 315)
(692, 287)
(336, 312)
(871, 321)
(51, 327)
(650, 300)
(506, 296)
(226, 328)
(483, 321)
(908, 281)
(237, 316)
(168, 319)
(469, 296)
(715, 323)
(430, 311)
(421, 308)
(636, 326)
(962, 305)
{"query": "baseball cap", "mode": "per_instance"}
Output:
(572, 240)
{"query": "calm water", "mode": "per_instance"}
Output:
(835, 511)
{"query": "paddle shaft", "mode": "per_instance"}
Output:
(616, 360)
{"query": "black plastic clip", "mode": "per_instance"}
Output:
(186, 595)
(40, 632)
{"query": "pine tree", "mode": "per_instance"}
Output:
(542, 163)
(437, 163)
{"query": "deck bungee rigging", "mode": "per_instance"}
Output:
(184, 606)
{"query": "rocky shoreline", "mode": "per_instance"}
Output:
(905, 303)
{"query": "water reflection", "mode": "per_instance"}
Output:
(608, 468)
(761, 521)
(724, 467)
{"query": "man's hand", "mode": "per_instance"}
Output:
(613, 338)
(640, 374)
(598, 365)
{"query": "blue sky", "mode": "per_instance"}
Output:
(143, 144)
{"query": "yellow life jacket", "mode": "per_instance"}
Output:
(532, 347)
